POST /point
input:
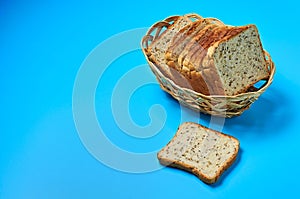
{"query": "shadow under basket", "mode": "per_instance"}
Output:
(217, 105)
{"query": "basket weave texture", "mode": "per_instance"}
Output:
(217, 105)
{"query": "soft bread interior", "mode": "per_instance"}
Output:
(240, 61)
(204, 152)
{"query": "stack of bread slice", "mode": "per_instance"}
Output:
(209, 57)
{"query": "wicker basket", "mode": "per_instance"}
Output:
(224, 106)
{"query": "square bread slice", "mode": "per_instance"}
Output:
(201, 151)
(239, 60)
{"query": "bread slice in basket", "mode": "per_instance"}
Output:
(195, 76)
(234, 54)
(182, 38)
(159, 46)
(201, 151)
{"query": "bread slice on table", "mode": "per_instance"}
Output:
(236, 58)
(201, 151)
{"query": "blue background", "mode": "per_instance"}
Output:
(42, 46)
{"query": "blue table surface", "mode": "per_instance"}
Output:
(83, 117)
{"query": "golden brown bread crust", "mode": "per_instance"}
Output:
(182, 35)
(193, 43)
(186, 34)
(181, 40)
(205, 67)
(196, 76)
(218, 33)
(208, 74)
(192, 78)
(196, 45)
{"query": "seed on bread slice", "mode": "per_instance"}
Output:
(194, 60)
(201, 151)
(239, 60)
